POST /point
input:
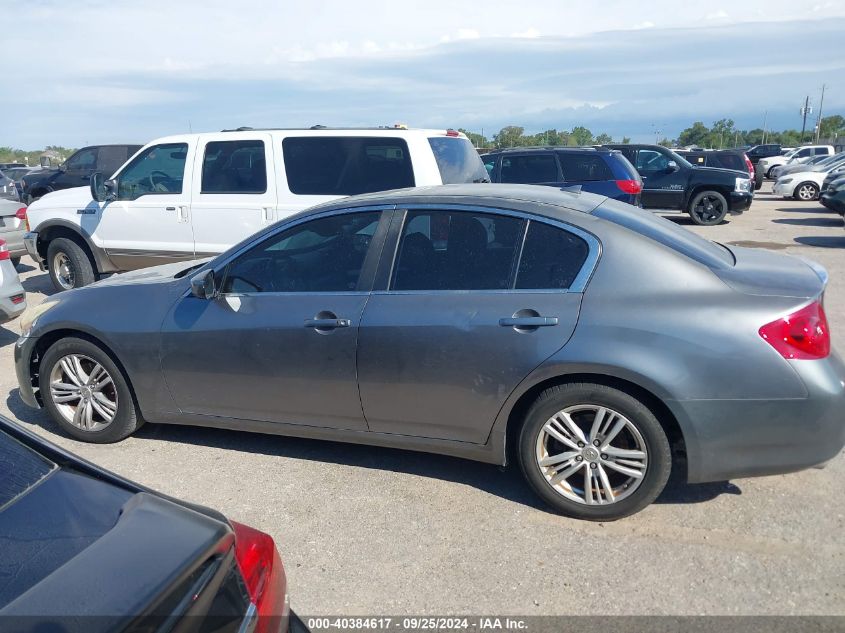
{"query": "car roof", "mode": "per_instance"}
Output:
(555, 148)
(481, 194)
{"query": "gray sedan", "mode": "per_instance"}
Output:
(603, 345)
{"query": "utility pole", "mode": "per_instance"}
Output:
(804, 112)
(765, 114)
(819, 120)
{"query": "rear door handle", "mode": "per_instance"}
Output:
(327, 324)
(538, 321)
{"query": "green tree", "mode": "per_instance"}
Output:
(665, 142)
(581, 136)
(510, 136)
(475, 138)
(603, 139)
(626, 140)
(695, 135)
(832, 127)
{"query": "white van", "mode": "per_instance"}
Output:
(194, 195)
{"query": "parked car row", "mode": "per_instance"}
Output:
(804, 182)
(833, 192)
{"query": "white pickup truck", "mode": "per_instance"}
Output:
(194, 195)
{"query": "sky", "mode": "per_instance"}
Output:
(115, 71)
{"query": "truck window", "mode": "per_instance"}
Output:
(458, 161)
(234, 167)
(346, 165)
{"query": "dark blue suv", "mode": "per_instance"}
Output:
(597, 170)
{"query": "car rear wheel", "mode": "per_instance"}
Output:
(86, 393)
(806, 192)
(69, 265)
(594, 452)
(770, 172)
(708, 208)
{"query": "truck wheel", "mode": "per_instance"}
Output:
(806, 191)
(758, 179)
(708, 208)
(69, 265)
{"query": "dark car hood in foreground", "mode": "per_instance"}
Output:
(761, 272)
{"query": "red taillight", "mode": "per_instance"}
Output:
(630, 186)
(803, 335)
(263, 574)
(749, 165)
(18, 299)
(4, 252)
(20, 214)
(452, 133)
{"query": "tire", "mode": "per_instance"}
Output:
(69, 265)
(640, 431)
(758, 180)
(769, 173)
(806, 191)
(708, 208)
(114, 389)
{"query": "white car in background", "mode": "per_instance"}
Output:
(12, 295)
(797, 155)
(12, 228)
(803, 185)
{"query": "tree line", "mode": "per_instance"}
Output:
(31, 157)
(723, 133)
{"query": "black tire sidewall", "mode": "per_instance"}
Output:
(700, 195)
(126, 419)
(83, 268)
(557, 398)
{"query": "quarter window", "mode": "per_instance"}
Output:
(234, 167)
(529, 169)
(322, 255)
(582, 166)
(551, 258)
(159, 169)
(442, 250)
(346, 165)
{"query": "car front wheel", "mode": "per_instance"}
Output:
(593, 452)
(708, 208)
(69, 265)
(86, 393)
(806, 192)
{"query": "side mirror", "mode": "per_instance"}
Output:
(672, 166)
(202, 285)
(102, 190)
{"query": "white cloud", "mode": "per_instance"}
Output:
(721, 14)
(529, 34)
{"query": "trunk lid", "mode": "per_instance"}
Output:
(759, 272)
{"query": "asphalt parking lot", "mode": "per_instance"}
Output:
(367, 531)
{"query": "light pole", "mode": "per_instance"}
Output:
(804, 112)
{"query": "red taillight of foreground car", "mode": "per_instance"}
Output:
(630, 186)
(20, 214)
(263, 574)
(803, 335)
(4, 252)
(749, 165)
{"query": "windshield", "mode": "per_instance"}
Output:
(680, 159)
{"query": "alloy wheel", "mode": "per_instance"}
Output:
(708, 208)
(807, 192)
(83, 392)
(63, 270)
(592, 454)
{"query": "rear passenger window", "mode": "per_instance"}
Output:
(551, 258)
(529, 169)
(443, 250)
(346, 165)
(234, 167)
(584, 167)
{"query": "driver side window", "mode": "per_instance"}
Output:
(323, 255)
(159, 169)
(649, 161)
(82, 160)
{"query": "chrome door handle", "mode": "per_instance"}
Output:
(538, 321)
(327, 324)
